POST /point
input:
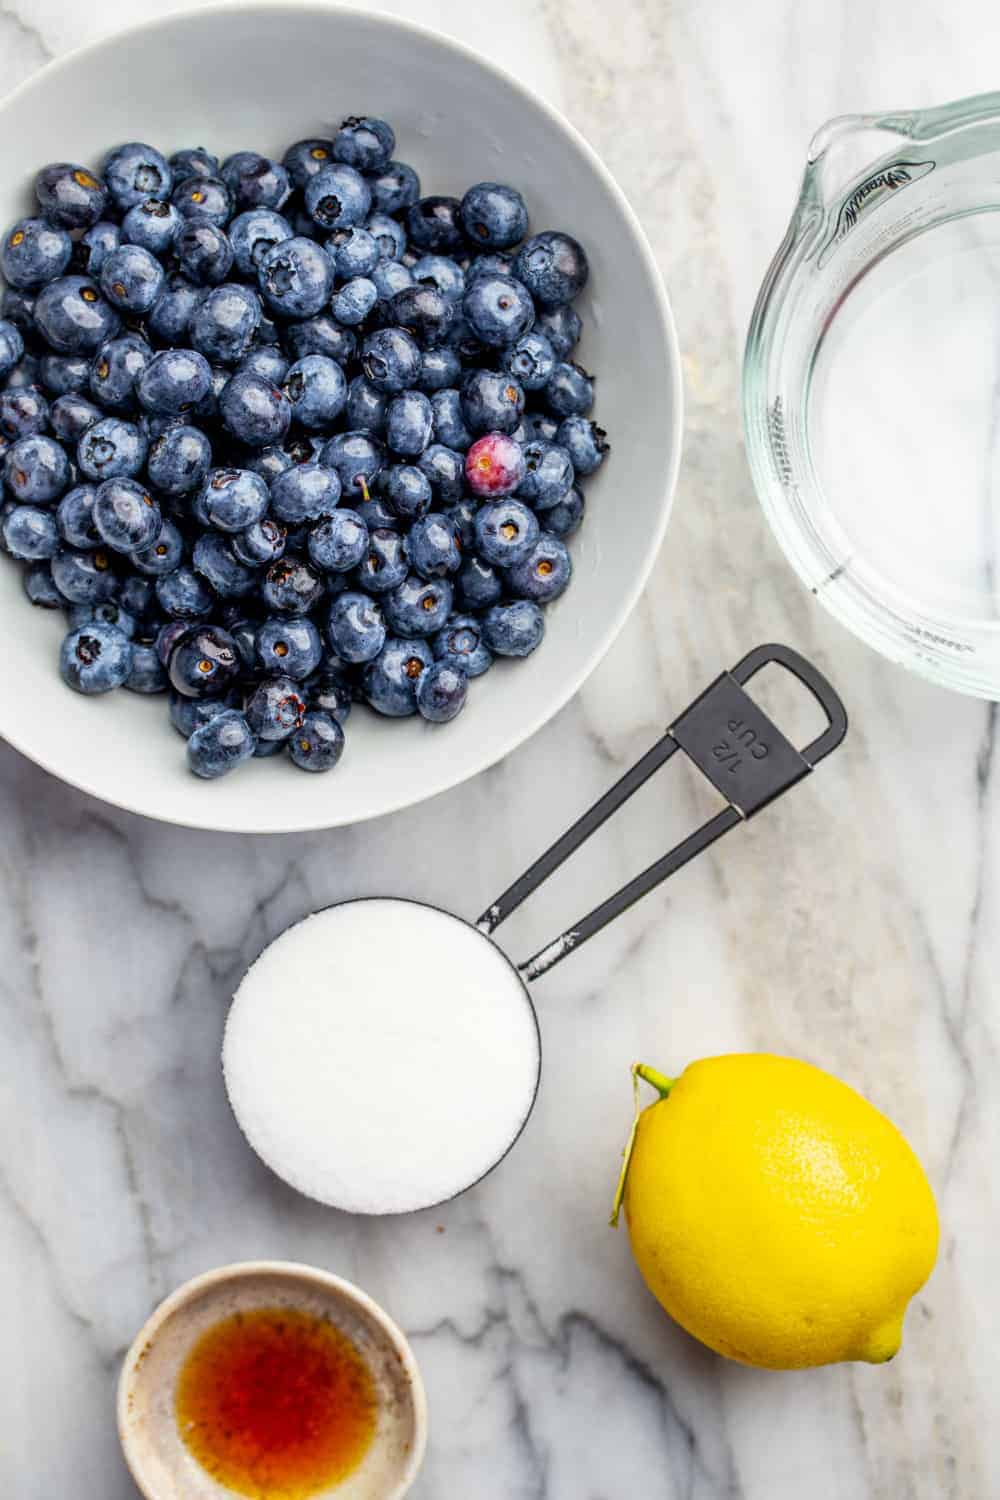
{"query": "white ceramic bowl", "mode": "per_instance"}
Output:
(161, 1464)
(262, 76)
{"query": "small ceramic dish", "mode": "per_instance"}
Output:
(160, 1463)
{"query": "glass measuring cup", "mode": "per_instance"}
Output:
(336, 1054)
(871, 386)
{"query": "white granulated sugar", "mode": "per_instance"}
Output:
(381, 1056)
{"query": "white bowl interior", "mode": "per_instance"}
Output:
(165, 1469)
(262, 77)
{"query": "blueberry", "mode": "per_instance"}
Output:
(435, 224)
(152, 225)
(221, 745)
(193, 161)
(168, 322)
(253, 234)
(18, 308)
(439, 369)
(178, 460)
(146, 676)
(266, 360)
(491, 401)
(269, 462)
(424, 312)
(260, 544)
(111, 449)
(433, 545)
(33, 253)
(548, 474)
(494, 216)
(418, 606)
(318, 744)
(544, 574)
(305, 159)
(394, 188)
(29, 533)
(553, 266)
(36, 470)
(364, 143)
(390, 358)
(490, 264)
(460, 644)
(389, 278)
(291, 586)
(233, 499)
(138, 596)
(316, 388)
(355, 252)
(189, 714)
(167, 637)
(73, 317)
(223, 325)
(40, 587)
(161, 556)
(255, 181)
(183, 595)
(506, 532)
(386, 562)
(97, 244)
(441, 692)
(462, 516)
(23, 411)
(84, 577)
(563, 519)
(296, 278)
(11, 348)
(339, 543)
(204, 253)
(109, 613)
(254, 411)
(499, 309)
(513, 629)
(308, 492)
(25, 374)
(538, 426)
(388, 234)
(441, 272)
(477, 585)
(134, 172)
(213, 557)
(206, 199)
(329, 690)
(445, 469)
(409, 423)
(355, 300)
(390, 681)
(584, 441)
(366, 406)
(70, 196)
(321, 335)
(357, 459)
(74, 517)
(494, 465)
(276, 708)
(95, 658)
(114, 370)
(408, 491)
(337, 197)
(449, 421)
(126, 516)
(290, 645)
(203, 662)
(570, 391)
(531, 360)
(376, 511)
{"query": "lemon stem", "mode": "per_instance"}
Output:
(656, 1080)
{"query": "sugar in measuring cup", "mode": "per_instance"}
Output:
(382, 1055)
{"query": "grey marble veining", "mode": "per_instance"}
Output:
(854, 924)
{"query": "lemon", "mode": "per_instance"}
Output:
(776, 1214)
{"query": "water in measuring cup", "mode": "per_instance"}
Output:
(904, 424)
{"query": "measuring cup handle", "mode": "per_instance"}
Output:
(734, 744)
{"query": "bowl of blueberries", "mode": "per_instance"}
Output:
(340, 416)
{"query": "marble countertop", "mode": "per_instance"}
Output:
(855, 924)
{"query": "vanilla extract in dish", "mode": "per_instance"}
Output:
(381, 1055)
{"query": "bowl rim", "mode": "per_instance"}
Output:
(499, 748)
(306, 1275)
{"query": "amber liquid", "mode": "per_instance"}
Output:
(276, 1404)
